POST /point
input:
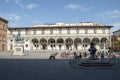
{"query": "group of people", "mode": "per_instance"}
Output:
(98, 54)
(67, 55)
(79, 55)
(103, 54)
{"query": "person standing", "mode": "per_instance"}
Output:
(102, 54)
(80, 55)
(75, 55)
(85, 54)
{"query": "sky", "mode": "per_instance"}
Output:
(24, 13)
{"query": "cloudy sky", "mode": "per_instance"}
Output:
(22, 13)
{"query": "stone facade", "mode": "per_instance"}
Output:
(61, 36)
(116, 40)
(3, 34)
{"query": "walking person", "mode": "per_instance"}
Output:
(52, 56)
(75, 55)
(85, 54)
(102, 54)
(80, 55)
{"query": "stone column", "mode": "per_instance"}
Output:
(64, 45)
(109, 40)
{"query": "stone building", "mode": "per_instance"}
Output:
(3, 34)
(116, 40)
(61, 36)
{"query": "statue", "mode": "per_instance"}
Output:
(19, 44)
(92, 50)
(18, 37)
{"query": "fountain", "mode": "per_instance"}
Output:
(92, 61)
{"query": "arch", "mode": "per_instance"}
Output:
(43, 41)
(35, 42)
(86, 40)
(104, 43)
(60, 41)
(95, 40)
(51, 41)
(104, 40)
(77, 41)
(68, 43)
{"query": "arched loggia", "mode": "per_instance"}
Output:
(104, 43)
(86, 42)
(60, 42)
(68, 43)
(51, 42)
(43, 42)
(77, 42)
(35, 42)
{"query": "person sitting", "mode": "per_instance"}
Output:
(97, 55)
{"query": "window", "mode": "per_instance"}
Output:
(43, 31)
(3, 37)
(60, 30)
(77, 31)
(26, 45)
(11, 40)
(68, 31)
(3, 26)
(26, 32)
(34, 32)
(51, 31)
(86, 31)
(103, 31)
(86, 45)
(95, 31)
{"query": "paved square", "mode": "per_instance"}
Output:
(43, 69)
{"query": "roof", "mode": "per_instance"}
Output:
(4, 20)
(117, 31)
(61, 25)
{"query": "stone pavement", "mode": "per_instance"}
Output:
(44, 69)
